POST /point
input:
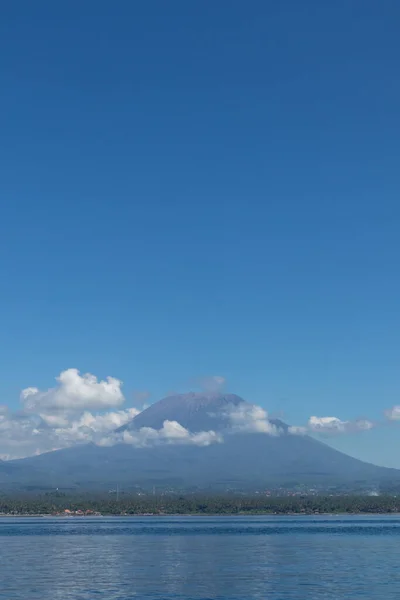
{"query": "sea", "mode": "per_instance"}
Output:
(220, 558)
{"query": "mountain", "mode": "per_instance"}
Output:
(243, 460)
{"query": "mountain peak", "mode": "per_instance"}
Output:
(196, 411)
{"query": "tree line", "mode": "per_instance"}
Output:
(198, 505)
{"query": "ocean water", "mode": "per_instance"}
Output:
(221, 558)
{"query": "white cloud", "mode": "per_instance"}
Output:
(74, 392)
(108, 421)
(88, 426)
(29, 391)
(326, 424)
(333, 425)
(57, 420)
(24, 435)
(393, 414)
(251, 418)
(171, 432)
(70, 413)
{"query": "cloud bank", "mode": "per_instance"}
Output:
(331, 426)
(335, 425)
(24, 435)
(77, 410)
(171, 433)
(251, 419)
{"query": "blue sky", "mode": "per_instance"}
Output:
(198, 188)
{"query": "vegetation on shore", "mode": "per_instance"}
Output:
(198, 505)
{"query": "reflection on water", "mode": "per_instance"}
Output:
(192, 558)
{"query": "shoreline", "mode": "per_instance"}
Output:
(177, 515)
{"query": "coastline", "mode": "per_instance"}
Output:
(202, 515)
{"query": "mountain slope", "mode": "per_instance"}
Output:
(243, 460)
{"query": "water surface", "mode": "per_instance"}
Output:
(221, 558)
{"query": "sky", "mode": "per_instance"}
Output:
(203, 189)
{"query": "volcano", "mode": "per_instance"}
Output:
(241, 457)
